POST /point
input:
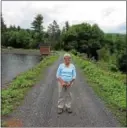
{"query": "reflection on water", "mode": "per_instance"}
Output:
(13, 64)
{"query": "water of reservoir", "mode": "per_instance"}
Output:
(13, 64)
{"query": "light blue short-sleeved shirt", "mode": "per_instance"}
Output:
(66, 73)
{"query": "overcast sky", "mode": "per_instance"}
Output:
(109, 15)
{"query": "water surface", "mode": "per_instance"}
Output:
(13, 64)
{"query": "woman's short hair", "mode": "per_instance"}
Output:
(67, 54)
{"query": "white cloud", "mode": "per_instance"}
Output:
(107, 14)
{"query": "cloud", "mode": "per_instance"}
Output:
(107, 14)
(122, 28)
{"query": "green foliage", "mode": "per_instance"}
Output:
(67, 25)
(113, 68)
(73, 51)
(12, 96)
(37, 23)
(110, 86)
(116, 45)
(84, 38)
(54, 35)
(16, 39)
(104, 54)
(3, 26)
(107, 60)
(122, 62)
(38, 28)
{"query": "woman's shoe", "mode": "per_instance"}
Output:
(60, 110)
(69, 110)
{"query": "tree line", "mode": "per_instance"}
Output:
(82, 38)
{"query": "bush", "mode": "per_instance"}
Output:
(113, 68)
(122, 62)
(73, 51)
(103, 54)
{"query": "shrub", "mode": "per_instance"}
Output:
(73, 51)
(103, 54)
(113, 68)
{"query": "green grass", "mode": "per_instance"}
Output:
(14, 94)
(109, 86)
(4, 124)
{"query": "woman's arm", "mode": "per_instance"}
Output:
(58, 75)
(61, 81)
(74, 73)
(73, 76)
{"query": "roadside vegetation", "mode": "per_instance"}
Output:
(109, 86)
(14, 94)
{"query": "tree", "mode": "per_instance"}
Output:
(12, 27)
(122, 62)
(18, 28)
(38, 27)
(67, 25)
(3, 30)
(84, 38)
(54, 33)
(53, 30)
(3, 26)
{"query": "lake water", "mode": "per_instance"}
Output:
(13, 64)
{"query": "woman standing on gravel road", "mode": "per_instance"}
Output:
(66, 74)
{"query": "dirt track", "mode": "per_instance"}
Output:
(39, 107)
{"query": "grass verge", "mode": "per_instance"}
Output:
(108, 85)
(12, 96)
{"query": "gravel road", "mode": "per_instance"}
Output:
(39, 109)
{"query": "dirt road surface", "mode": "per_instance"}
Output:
(39, 109)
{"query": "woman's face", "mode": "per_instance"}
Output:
(67, 60)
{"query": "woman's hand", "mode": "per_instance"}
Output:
(68, 84)
(63, 83)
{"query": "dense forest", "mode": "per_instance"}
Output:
(79, 38)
